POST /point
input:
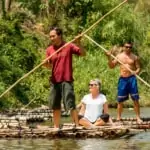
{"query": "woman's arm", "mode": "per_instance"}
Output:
(105, 108)
(82, 110)
(106, 112)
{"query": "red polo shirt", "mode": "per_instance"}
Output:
(62, 62)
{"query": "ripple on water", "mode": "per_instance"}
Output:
(137, 142)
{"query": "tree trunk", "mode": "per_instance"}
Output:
(8, 5)
(3, 9)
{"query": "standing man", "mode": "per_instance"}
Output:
(62, 75)
(127, 83)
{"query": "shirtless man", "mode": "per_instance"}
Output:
(127, 83)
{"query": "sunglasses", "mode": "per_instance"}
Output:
(128, 46)
(92, 85)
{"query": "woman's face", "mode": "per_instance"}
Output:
(93, 86)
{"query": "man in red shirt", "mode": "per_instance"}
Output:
(62, 75)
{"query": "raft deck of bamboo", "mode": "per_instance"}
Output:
(69, 131)
(26, 124)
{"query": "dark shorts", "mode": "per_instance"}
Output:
(62, 91)
(126, 86)
(104, 117)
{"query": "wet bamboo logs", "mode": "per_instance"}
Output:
(132, 119)
(63, 133)
(69, 131)
(17, 119)
(37, 115)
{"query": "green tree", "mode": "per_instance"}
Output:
(22, 42)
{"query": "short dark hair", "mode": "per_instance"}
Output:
(128, 42)
(57, 29)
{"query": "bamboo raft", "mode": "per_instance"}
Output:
(46, 132)
(69, 131)
(27, 124)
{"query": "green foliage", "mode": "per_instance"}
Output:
(21, 49)
(94, 65)
(33, 6)
(19, 54)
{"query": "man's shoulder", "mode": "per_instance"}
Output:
(49, 48)
(72, 45)
(134, 56)
(69, 46)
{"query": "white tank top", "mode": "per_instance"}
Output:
(94, 107)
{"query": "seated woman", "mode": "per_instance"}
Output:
(94, 107)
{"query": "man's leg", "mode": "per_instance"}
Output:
(56, 117)
(122, 95)
(69, 100)
(133, 88)
(119, 110)
(74, 116)
(55, 103)
(137, 111)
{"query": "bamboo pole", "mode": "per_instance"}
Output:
(44, 61)
(117, 60)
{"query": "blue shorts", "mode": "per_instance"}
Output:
(126, 86)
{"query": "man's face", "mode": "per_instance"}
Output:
(55, 39)
(127, 47)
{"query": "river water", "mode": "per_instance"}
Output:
(140, 141)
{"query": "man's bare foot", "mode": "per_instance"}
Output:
(118, 119)
(139, 121)
(42, 127)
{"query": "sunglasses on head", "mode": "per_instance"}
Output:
(90, 84)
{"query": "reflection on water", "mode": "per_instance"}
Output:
(138, 142)
(39, 144)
